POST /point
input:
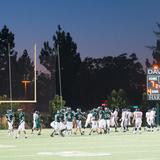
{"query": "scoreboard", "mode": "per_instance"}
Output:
(153, 83)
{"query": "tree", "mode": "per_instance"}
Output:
(113, 100)
(144, 100)
(44, 88)
(25, 71)
(155, 49)
(118, 99)
(6, 48)
(48, 60)
(69, 62)
(122, 98)
(55, 104)
(99, 76)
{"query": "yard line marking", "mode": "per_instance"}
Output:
(144, 159)
(16, 156)
(73, 154)
(7, 146)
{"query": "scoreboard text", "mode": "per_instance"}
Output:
(153, 83)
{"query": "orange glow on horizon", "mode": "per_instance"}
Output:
(155, 66)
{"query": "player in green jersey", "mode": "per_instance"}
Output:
(38, 123)
(10, 119)
(107, 116)
(69, 117)
(21, 126)
(78, 118)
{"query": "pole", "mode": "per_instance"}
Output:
(157, 110)
(35, 74)
(10, 76)
(59, 71)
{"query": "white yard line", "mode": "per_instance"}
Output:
(74, 154)
(7, 146)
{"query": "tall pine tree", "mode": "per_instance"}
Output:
(6, 45)
(69, 62)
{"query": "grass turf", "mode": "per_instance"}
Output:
(120, 146)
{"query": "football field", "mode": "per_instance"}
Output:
(115, 146)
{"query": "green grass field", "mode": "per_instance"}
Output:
(115, 146)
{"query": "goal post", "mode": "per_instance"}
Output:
(34, 100)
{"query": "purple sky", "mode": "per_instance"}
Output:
(99, 27)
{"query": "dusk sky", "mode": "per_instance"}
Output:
(99, 27)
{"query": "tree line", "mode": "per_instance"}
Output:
(85, 82)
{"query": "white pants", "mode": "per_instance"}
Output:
(69, 125)
(52, 124)
(148, 121)
(34, 124)
(88, 122)
(56, 125)
(79, 123)
(94, 124)
(10, 125)
(21, 127)
(102, 123)
(152, 121)
(138, 123)
(108, 123)
(62, 126)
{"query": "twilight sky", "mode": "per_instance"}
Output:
(99, 27)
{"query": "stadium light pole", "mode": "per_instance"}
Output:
(10, 75)
(59, 71)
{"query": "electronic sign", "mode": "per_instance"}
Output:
(153, 83)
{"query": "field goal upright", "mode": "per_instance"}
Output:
(34, 100)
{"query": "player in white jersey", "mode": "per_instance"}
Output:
(112, 119)
(148, 120)
(88, 120)
(153, 118)
(35, 116)
(137, 118)
(130, 115)
(124, 120)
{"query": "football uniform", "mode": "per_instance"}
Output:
(78, 117)
(138, 120)
(35, 115)
(57, 121)
(94, 119)
(107, 116)
(124, 120)
(21, 126)
(102, 122)
(38, 122)
(69, 119)
(152, 117)
(148, 119)
(88, 120)
(10, 119)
